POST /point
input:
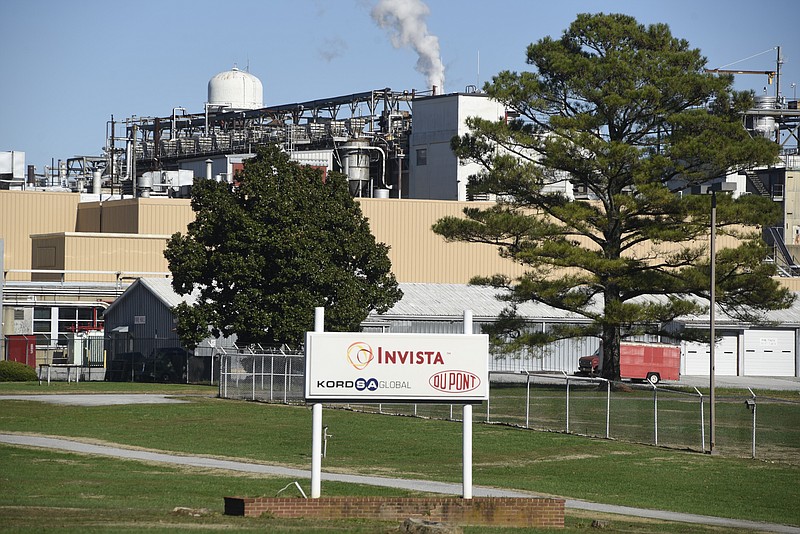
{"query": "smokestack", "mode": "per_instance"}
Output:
(405, 22)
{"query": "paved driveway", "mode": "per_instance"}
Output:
(97, 400)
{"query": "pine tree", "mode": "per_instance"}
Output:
(626, 112)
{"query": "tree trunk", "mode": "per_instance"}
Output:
(610, 340)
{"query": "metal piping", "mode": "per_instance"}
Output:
(76, 303)
(172, 131)
(383, 167)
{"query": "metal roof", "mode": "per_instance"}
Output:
(161, 288)
(448, 302)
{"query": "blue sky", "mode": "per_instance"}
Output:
(69, 65)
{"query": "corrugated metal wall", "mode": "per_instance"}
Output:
(127, 253)
(149, 324)
(23, 213)
(164, 216)
(419, 255)
(139, 302)
(139, 216)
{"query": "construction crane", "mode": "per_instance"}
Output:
(769, 73)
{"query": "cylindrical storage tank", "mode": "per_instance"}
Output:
(96, 182)
(235, 89)
(765, 102)
(381, 192)
(145, 184)
(765, 126)
(355, 162)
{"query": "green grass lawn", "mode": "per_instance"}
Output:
(542, 462)
(47, 490)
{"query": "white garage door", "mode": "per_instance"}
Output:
(769, 352)
(696, 358)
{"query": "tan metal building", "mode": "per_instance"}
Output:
(110, 240)
(92, 241)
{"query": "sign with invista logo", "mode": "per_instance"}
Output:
(347, 366)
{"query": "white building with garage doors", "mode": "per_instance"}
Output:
(745, 352)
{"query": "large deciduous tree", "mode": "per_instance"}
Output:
(627, 113)
(264, 251)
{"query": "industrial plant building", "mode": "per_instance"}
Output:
(75, 238)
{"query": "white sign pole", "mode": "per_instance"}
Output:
(467, 445)
(316, 423)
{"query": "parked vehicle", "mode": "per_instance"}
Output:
(638, 361)
(125, 367)
(166, 364)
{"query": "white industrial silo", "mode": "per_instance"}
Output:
(235, 89)
(764, 125)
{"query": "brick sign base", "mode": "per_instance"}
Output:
(500, 511)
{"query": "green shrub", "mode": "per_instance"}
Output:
(16, 372)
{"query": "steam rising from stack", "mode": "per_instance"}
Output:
(405, 22)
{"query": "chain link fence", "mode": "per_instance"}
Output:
(266, 377)
(746, 425)
(88, 356)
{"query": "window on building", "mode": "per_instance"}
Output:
(422, 156)
(52, 325)
(42, 325)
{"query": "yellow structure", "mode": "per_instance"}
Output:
(94, 241)
(117, 240)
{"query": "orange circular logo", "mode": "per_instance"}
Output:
(359, 354)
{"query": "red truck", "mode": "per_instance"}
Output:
(638, 361)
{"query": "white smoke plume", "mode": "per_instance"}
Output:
(405, 22)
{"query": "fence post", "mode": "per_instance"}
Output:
(567, 376)
(752, 405)
(527, 399)
(655, 414)
(287, 381)
(222, 372)
(271, 376)
(702, 423)
(608, 409)
(253, 378)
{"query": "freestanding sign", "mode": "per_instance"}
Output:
(352, 366)
(364, 367)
